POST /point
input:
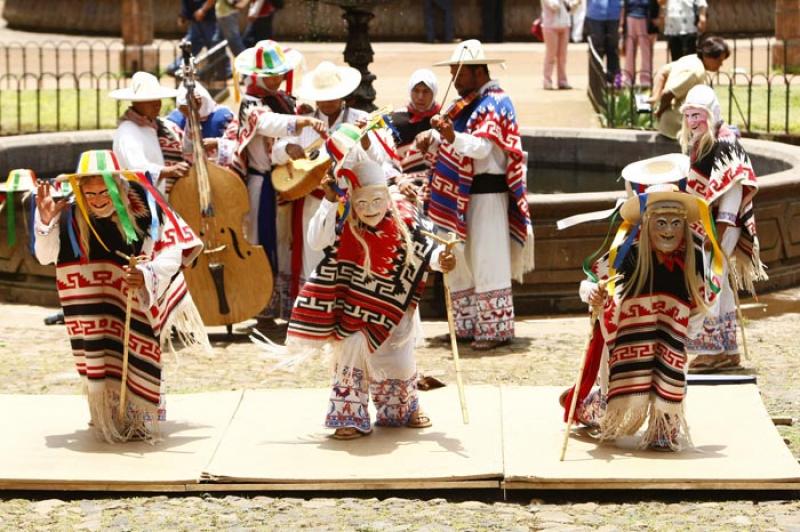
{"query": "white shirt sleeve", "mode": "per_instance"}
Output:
(276, 124)
(472, 146)
(157, 274)
(586, 289)
(279, 155)
(729, 205)
(48, 239)
(322, 227)
(129, 147)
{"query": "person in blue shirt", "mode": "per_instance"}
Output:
(203, 31)
(603, 18)
(214, 118)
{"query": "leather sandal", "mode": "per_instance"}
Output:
(348, 433)
(419, 420)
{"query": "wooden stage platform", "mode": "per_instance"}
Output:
(273, 440)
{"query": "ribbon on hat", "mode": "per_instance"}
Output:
(715, 275)
(12, 186)
(76, 187)
(113, 191)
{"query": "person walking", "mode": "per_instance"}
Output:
(684, 22)
(639, 29)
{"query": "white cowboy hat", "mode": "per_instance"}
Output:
(328, 82)
(144, 88)
(469, 52)
(267, 58)
(669, 168)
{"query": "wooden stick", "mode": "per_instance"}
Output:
(574, 401)
(449, 243)
(734, 280)
(123, 390)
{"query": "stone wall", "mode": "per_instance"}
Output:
(305, 19)
(552, 286)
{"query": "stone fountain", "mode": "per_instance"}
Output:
(358, 50)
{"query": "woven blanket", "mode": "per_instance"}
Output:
(340, 299)
(490, 116)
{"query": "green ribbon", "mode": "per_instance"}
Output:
(11, 234)
(113, 191)
(588, 261)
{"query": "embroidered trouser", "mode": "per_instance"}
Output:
(480, 284)
(390, 378)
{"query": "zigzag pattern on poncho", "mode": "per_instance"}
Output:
(492, 117)
(338, 300)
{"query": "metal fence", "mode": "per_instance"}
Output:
(64, 85)
(755, 95)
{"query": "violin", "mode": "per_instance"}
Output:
(231, 280)
(459, 105)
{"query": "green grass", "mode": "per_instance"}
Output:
(758, 108)
(64, 110)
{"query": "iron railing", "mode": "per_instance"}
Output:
(755, 95)
(64, 85)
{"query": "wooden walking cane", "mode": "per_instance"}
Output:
(734, 280)
(574, 401)
(123, 390)
(448, 244)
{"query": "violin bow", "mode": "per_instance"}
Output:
(453, 78)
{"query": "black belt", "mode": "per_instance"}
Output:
(488, 184)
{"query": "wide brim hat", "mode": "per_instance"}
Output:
(98, 163)
(144, 87)
(267, 58)
(669, 168)
(328, 82)
(634, 207)
(19, 180)
(469, 52)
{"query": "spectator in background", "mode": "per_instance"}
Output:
(492, 20)
(578, 15)
(673, 81)
(603, 17)
(203, 31)
(555, 28)
(445, 7)
(684, 21)
(228, 23)
(260, 16)
(640, 30)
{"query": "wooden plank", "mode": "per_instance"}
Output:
(344, 486)
(274, 445)
(735, 444)
(650, 485)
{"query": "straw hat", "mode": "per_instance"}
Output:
(632, 210)
(144, 87)
(469, 52)
(20, 180)
(344, 138)
(328, 82)
(669, 168)
(97, 163)
(267, 58)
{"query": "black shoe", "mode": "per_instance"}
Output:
(55, 319)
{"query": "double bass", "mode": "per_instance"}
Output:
(231, 280)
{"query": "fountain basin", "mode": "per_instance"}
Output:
(552, 286)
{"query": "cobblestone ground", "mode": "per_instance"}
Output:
(36, 359)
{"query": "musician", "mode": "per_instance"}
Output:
(266, 113)
(328, 85)
(118, 210)
(371, 330)
(478, 191)
(214, 118)
(143, 140)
